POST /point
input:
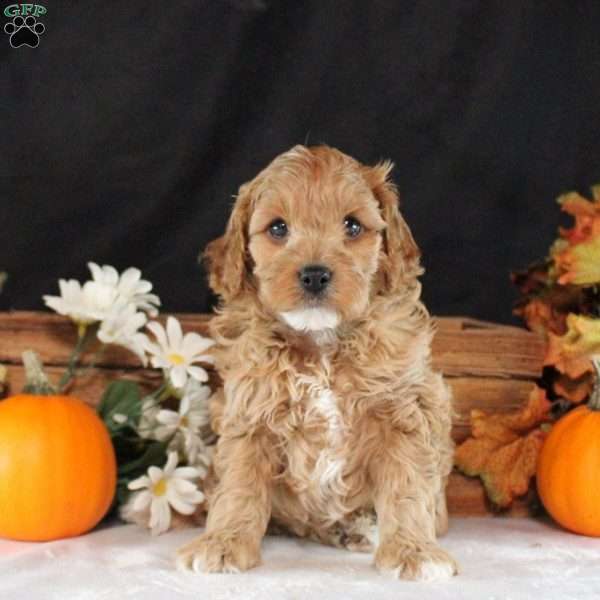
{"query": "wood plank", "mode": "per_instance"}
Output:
(461, 346)
(486, 393)
(53, 338)
(469, 393)
(466, 498)
(487, 350)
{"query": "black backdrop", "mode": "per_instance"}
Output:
(128, 129)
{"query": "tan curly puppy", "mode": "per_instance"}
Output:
(330, 412)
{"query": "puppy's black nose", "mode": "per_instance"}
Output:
(314, 278)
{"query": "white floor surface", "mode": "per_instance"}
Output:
(501, 559)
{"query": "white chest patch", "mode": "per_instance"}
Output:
(330, 465)
(311, 319)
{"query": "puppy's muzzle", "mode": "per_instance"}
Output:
(314, 279)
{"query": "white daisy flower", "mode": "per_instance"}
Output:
(129, 285)
(84, 305)
(194, 448)
(176, 353)
(99, 298)
(163, 489)
(121, 327)
(185, 426)
(147, 422)
(191, 416)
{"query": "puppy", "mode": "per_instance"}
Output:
(332, 423)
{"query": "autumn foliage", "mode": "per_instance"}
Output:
(504, 447)
(560, 300)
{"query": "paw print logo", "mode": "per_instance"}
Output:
(24, 32)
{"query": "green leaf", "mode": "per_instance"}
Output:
(122, 493)
(154, 454)
(121, 398)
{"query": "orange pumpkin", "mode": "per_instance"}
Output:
(568, 470)
(57, 467)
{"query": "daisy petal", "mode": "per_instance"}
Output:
(141, 501)
(178, 376)
(180, 505)
(174, 333)
(150, 299)
(205, 358)
(183, 487)
(159, 333)
(172, 461)
(194, 343)
(139, 483)
(155, 474)
(168, 417)
(158, 362)
(186, 473)
(160, 516)
(198, 373)
(164, 432)
(95, 270)
(129, 278)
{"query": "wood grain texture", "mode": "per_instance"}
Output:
(489, 393)
(461, 346)
(53, 337)
(488, 366)
(492, 394)
(479, 349)
(466, 498)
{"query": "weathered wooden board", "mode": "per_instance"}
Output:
(492, 394)
(479, 349)
(460, 347)
(53, 337)
(488, 366)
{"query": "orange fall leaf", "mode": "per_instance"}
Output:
(504, 447)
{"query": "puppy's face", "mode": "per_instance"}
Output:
(313, 235)
(314, 240)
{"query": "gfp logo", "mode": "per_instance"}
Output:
(24, 29)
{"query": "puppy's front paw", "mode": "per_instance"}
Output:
(415, 561)
(218, 552)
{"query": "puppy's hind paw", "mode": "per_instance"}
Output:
(415, 562)
(218, 552)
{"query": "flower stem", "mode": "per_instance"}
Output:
(161, 393)
(74, 358)
(594, 401)
(36, 381)
(166, 392)
(95, 357)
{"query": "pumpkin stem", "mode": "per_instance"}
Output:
(36, 381)
(594, 401)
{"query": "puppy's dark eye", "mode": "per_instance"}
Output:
(353, 227)
(278, 229)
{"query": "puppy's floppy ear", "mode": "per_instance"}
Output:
(226, 258)
(400, 262)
